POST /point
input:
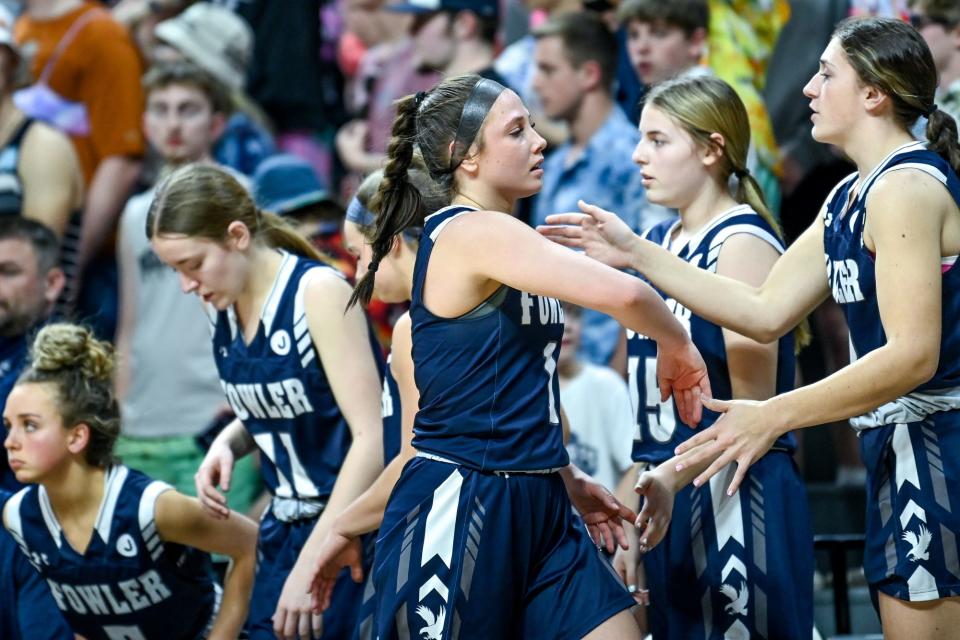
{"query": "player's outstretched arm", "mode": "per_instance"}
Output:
(907, 260)
(795, 286)
(494, 246)
(183, 520)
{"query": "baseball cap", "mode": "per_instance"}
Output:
(284, 182)
(212, 37)
(483, 8)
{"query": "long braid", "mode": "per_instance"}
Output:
(397, 200)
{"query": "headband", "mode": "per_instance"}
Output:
(359, 214)
(364, 218)
(475, 109)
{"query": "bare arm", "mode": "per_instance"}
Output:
(344, 348)
(109, 190)
(487, 248)
(794, 287)
(50, 171)
(907, 259)
(366, 512)
(343, 344)
(182, 520)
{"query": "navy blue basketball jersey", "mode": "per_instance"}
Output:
(390, 405)
(852, 278)
(659, 429)
(278, 388)
(128, 584)
(489, 395)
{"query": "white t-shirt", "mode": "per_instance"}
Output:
(597, 404)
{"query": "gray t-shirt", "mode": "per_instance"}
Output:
(174, 388)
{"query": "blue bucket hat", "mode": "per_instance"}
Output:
(283, 183)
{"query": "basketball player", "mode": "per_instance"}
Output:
(742, 556)
(119, 551)
(484, 507)
(293, 366)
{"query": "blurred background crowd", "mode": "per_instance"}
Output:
(99, 99)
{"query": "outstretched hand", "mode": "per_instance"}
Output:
(657, 511)
(743, 434)
(336, 552)
(682, 373)
(601, 511)
(602, 234)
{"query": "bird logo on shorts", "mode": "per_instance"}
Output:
(434, 628)
(738, 599)
(918, 544)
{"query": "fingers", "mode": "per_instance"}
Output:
(212, 500)
(279, 622)
(549, 234)
(620, 536)
(316, 622)
(741, 473)
(720, 406)
(694, 406)
(608, 537)
(226, 473)
(695, 441)
(303, 625)
(572, 219)
(592, 210)
(356, 572)
(716, 467)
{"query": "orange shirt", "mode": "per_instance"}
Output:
(101, 69)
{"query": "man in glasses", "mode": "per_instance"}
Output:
(938, 21)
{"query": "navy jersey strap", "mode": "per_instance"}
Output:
(433, 226)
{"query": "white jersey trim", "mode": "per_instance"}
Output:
(912, 407)
(11, 513)
(272, 303)
(146, 516)
(113, 484)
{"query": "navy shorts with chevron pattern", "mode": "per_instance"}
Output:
(470, 555)
(913, 507)
(737, 566)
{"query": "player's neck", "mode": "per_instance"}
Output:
(478, 195)
(77, 490)
(263, 268)
(708, 203)
(868, 145)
